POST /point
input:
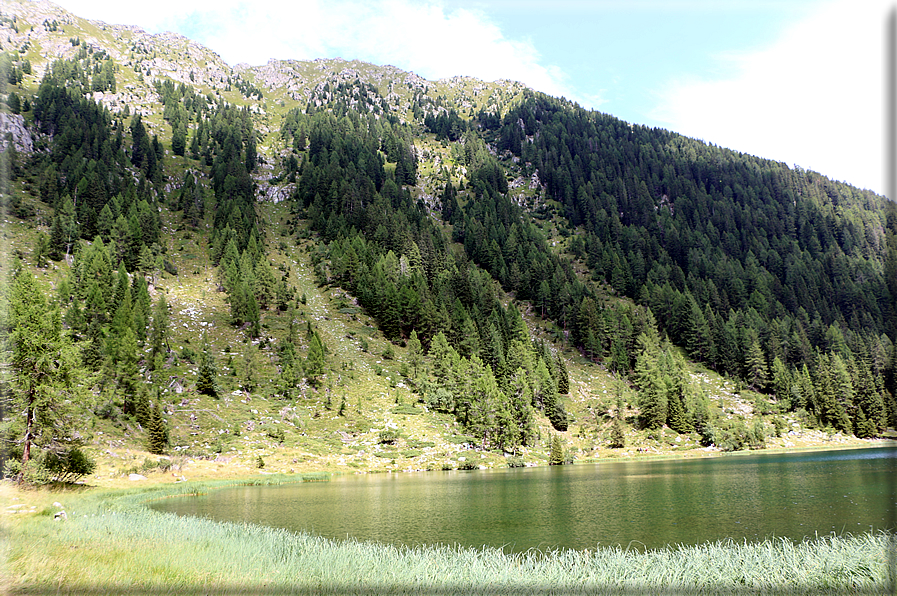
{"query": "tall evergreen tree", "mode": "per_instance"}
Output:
(207, 379)
(157, 431)
(45, 368)
(315, 363)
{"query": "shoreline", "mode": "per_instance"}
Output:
(202, 470)
(112, 540)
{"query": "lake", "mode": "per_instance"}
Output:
(640, 504)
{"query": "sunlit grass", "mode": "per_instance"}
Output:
(113, 542)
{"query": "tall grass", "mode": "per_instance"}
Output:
(112, 542)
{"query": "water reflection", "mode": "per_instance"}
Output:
(626, 503)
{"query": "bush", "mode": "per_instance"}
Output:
(440, 400)
(461, 440)
(169, 267)
(756, 435)
(66, 466)
(516, 462)
(189, 355)
(780, 426)
(388, 436)
(276, 433)
(731, 435)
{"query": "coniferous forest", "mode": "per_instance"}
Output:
(502, 249)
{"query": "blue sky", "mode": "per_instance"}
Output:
(798, 81)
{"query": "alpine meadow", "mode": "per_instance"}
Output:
(217, 275)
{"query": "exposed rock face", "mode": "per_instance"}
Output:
(12, 126)
(274, 194)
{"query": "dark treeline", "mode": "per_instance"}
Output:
(761, 271)
(386, 249)
(87, 173)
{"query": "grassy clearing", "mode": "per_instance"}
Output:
(112, 542)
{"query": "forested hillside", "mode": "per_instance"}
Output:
(761, 271)
(205, 259)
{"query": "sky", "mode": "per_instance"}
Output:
(798, 81)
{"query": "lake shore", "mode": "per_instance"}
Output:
(109, 540)
(109, 472)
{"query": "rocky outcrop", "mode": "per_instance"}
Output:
(12, 127)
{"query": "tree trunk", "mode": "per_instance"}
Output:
(29, 427)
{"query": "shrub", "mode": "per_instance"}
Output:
(65, 465)
(189, 355)
(780, 426)
(276, 433)
(388, 436)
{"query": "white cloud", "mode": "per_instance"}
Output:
(814, 98)
(426, 37)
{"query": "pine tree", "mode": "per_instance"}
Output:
(315, 363)
(250, 368)
(676, 418)
(562, 376)
(46, 381)
(207, 379)
(143, 412)
(178, 139)
(755, 366)
(617, 435)
(159, 332)
(556, 451)
(415, 355)
(266, 283)
(157, 435)
(253, 315)
(781, 382)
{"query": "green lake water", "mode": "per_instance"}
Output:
(642, 504)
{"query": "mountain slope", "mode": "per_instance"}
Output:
(364, 268)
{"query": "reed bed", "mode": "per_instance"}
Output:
(113, 542)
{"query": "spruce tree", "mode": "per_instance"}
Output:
(617, 435)
(315, 362)
(755, 366)
(562, 376)
(157, 435)
(207, 379)
(159, 333)
(415, 355)
(556, 451)
(676, 418)
(143, 413)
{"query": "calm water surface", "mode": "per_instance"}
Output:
(642, 503)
